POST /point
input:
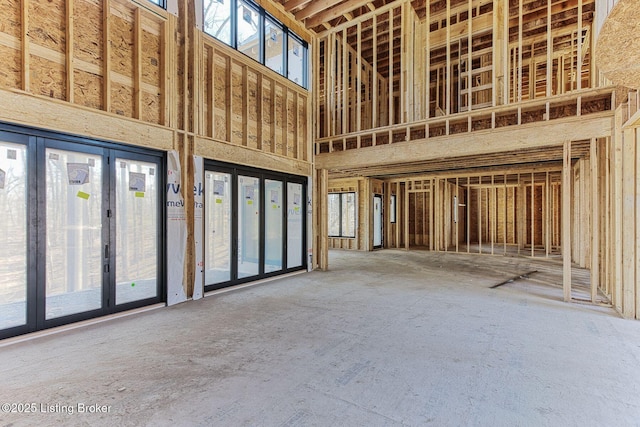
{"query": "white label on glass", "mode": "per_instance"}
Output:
(78, 173)
(137, 181)
(218, 188)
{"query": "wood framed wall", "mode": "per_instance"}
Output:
(128, 71)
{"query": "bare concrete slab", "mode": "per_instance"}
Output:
(387, 338)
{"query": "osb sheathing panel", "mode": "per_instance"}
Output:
(121, 38)
(151, 108)
(47, 78)
(87, 32)
(47, 24)
(10, 71)
(10, 20)
(87, 89)
(151, 58)
(122, 99)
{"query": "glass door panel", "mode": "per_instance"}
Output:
(248, 226)
(377, 221)
(273, 225)
(73, 271)
(136, 215)
(217, 227)
(13, 235)
(294, 225)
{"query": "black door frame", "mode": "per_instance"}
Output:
(262, 175)
(37, 141)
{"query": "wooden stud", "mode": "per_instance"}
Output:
(211, 98)
(595, 221)
(229, 98)
(69, 54)
(468, 214)
(137, 65)
(629, 278)
(106, 73)
(566, 221)
(533, 214)
(272, 128)
(390, 108)
(448, 76)
(406, 216)
(374, 114)
(519, 66)
(358, 82)
(245, 110)
(260, 111)
(427, 68)
(506, 210)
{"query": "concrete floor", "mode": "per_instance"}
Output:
(385, 338)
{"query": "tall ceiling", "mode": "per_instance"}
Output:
(320, 15)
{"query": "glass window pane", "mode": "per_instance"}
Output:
(349, 214)
(13, 235)
(136, 230)
(295, 210)
(273, 225)
(217, 19)
(248, 226)
(273, 46)
(248, 30)
(217, 228)
(74, 232)
(334, 214)
(296, 58)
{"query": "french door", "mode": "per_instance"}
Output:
(254, 222)
(88, 223)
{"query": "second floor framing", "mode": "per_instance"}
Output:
(408, 63)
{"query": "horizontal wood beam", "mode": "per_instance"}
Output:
(469, 144)
(25, 109)
(232, 153)
(334, 12)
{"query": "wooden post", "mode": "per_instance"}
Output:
(629, 194)
(406, 215)
(137, 65)
(595, 221)
(106, 42)
(566, 221)
(533, 214)
(323, 217)
(374, 113)
(69, 53)
(397, 245)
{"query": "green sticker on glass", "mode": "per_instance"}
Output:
(275, 206)
(139, 194)
(219, 201)
(296, 209)
(249, 202)
(83, 195)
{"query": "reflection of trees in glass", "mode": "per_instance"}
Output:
(73, 227)
(13, 227)
(217, 19)
(136, 230)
